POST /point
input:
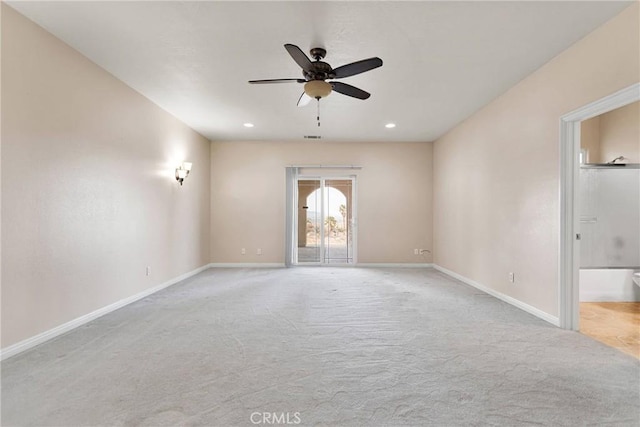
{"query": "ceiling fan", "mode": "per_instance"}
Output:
(316, 73)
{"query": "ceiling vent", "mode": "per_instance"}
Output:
(312, 137)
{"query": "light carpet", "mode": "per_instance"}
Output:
(323, 346)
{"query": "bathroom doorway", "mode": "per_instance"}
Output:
(609, 210)
(600, 240)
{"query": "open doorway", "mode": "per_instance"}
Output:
(600, 247)
(609, 210)
(325, 221)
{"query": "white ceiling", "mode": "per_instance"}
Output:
(442, 60)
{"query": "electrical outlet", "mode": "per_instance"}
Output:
(259, 251)
(243, 251)
(512, 277)
(416, 251)
(148, 271)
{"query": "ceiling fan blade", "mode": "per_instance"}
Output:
(261, 82)
(304, 100)
(349, 90)
(357, 67)
(298, 55)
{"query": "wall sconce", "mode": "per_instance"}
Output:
(182, 171)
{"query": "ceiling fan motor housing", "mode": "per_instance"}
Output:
(319, 71)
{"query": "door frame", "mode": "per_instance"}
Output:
(354, 214)
(569, 265)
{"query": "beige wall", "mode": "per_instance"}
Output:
(611, 135)
(88, 196)
(496, 175)
(620, 134)
(248, 197)
(590, 139)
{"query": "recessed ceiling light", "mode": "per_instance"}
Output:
(248, 125)
(390, 125)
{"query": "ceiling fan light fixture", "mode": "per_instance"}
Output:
(317, 89)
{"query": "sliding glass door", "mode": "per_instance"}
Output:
(325, 221)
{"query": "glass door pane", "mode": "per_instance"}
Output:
(338, 220)
(309, 221)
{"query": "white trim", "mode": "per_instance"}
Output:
(611, 102)
(363, 265)
(29, 343)
(291, 216)
(506, 298)
(394, 265)
(246, 265)
(354, 219)
(569, 256)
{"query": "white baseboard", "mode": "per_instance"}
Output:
(246, 265)
(24, 345)
(506, 298)
(278, 265)
(394, 265)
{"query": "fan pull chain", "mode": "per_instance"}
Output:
(318, 112)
